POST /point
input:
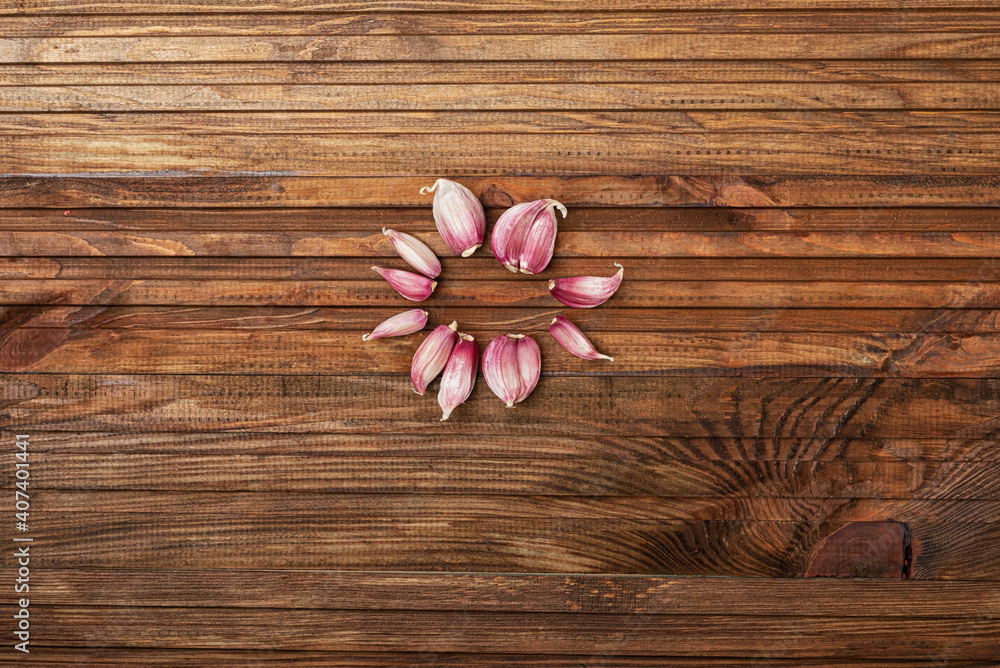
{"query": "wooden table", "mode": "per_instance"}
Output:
(805, 400)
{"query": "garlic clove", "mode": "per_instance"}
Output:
(500, 369)
(414, 287)
(432, 355)
(529, 366)
(459, 377)
(572, 339)
(524, 236)
(459, 216)
(586, 291)
(510, 231)
(415, 252)
(512, 365)
(405, 323)
(540, 240)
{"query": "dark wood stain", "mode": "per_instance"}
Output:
(792, 461)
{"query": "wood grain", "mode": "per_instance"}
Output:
(444, 72)
(584, 594)
(484, 268)
(544, 122)
(49, 350)
(605, 319)
(415, 220)
(277, 190)
(333, 446)
(497, 23)
(486, 632)
(639, 406)
(693, 479)
(525, 294)
(270, 6)
(471, 96)
(57, 657)
(609, 244)
(504, 46)
(543, 154)
(549, 545)
(451, 506)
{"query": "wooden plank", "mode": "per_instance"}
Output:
(270, 190)
(554, 633)
(484, 268)
(310, 245)
(510, 154)
(497, 23)
(584, 594)
(59, 657)
(877, 549)
(418, 219)
(48, 7)
(530, 122)
(448, 507)
(525, 294)
(503, 96)
(606, 319)
(694, 479)
(506, 46)
(250, 352)
(327, 446)
(520, 72)
(627, 406)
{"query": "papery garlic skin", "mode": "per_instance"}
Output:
(459, 377)
(586, 291)
(432, 356)
(524, 237)
(414, 287)
(459, 216)
(529, 365)
(415, 252)
(572, 339)
(405, 323)
(512, 365)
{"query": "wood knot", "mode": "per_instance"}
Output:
(495, 197)
(864, 550)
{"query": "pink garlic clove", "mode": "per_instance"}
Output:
(405, 323)
(540, 239)
(529, 366)
(510, 230)
(512, 365)
(432, 355)
(524, 236)
(572, 339)
(414, 287)
(459, 377)
(459, 216)
(586, 291)
(415, 252)
(500, 369)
